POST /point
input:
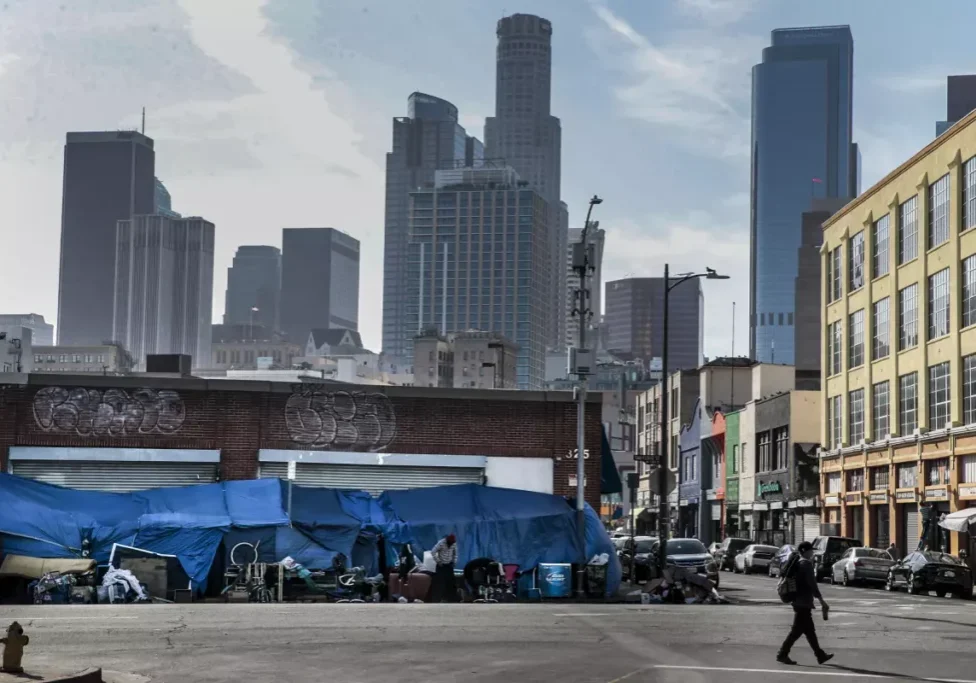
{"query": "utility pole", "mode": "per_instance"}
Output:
(581, 363)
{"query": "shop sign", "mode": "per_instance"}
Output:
(904, 496)
(878, 497)
(777, 505)
(967, 491)
(832, 500)
(684, 502)
(573, 480)
(937, 493)
(711, 494)
(770, 487)
(853, 498)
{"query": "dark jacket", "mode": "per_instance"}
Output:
(806, 584)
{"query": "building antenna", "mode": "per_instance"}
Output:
(143, 120)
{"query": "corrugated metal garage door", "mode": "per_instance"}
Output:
(910, 531)
(115, 476)
(811, 525)
(374, 478)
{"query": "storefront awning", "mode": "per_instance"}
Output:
(959, 520)
(609, 477)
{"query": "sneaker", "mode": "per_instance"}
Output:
(823, 658)
(785, 659)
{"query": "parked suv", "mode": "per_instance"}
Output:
(829, 549)
(725, 555)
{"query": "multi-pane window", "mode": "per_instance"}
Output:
(735, 459)
(833, 422)
(908, 317)
(855, 357)
(835, 275)
(969, 194)
(855, 417)
(908, 230)
(907, 476)
(879, 477)
(855, 262)
(833, 482)
(937, 472)
(939, 395)
(781, 448)
(879, 247)
(969, 390)
(764, 454)
(907, 404)
(880, 427)
(939, 304)
(881, 329)
(835, 342)
(939, 212)
(969, 291)
(855, 480)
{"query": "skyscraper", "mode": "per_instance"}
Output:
(42, 332)
(634, 318)
(960, 100)
(802, 149)
(108, 177)
(163, 201)
(527, 137)
(319, 281)
(479, 260)
(427, 139)
(597, 238)
(254, 282)
(164, 287)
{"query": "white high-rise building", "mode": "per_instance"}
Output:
(597, 238)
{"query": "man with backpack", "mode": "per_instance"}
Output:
(799, 587)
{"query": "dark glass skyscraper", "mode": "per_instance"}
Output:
(802, 122)
(108, 177)
(254, 282)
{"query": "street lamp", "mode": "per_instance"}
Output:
(665, 433)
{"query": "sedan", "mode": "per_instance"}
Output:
(754, 558)
(861, 564)
(780, 558)
(635, 558)
(921, 572)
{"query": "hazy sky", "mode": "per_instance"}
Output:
(276, 113)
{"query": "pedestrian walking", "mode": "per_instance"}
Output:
(801, 569)
(893, 552)
(445, 557)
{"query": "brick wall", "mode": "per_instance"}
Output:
(240, 418)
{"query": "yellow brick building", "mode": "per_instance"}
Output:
(898, 293)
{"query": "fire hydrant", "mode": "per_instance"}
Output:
(13, 651)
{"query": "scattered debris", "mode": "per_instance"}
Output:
(679, 586)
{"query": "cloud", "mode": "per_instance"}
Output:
(914, 83)
(697, 85)
(718, 11)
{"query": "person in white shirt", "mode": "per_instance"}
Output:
(445, 555)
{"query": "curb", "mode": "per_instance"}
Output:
(86, 676)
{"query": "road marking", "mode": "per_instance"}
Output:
(585, 614)
(107, 616)
(800, 672)
(626, 676)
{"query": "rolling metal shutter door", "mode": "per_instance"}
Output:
(912, 532)
(373, 478)
(811, 525)
(115, 476)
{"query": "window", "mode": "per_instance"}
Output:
(879, 411)
(855, 480)
(908, 231)
(833, 482)
(969, 390)
(833, 422)
(937, 472)
(907, 476)
(939, 212)
(969, 291)
(834, 275)
(939, 304)
(835, 341)
(735, 459)
(765, 452)
(855, 353)
(969, 194)
(939, 396)
(855, 417)
(908, 317)
(907, 404)
(879, 247)
(855, 262)
(781, 448)
(879, 477)
(881, 329)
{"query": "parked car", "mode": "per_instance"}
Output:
(713, 548)
(779, 559)
(725, 555)
(635, 559)
(827, 550)
(754, 558)
(691, 554)
(921, 572)
(861, 564)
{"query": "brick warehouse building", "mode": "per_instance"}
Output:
(128, 433)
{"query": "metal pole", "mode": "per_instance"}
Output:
(580, 427)
(662, 474)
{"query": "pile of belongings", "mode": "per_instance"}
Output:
(54, 588)
(680, 586)
(121, 586)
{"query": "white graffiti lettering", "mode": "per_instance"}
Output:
(340, 420)
(113, 412)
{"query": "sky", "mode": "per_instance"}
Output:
(277, 113)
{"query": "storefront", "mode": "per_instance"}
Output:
(937, 500)
(805, 519)
(715, 515)
(830, 524)
(906, 504)
(774, 523)
(879, 520)
(854, 513)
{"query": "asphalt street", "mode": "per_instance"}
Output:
(875, 635)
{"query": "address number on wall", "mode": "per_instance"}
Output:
(574, 453)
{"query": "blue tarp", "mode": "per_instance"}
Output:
(511, 526)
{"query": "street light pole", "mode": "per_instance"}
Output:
(665, 433)
(581, 264)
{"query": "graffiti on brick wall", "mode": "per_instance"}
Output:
(113, 412)
(340, 420)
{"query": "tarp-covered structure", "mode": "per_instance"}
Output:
(511, 526)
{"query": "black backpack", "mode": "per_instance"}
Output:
(786, 588)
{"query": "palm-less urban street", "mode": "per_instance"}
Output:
(874, 634)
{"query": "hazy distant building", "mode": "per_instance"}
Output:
(102, 359)
(490, 274)
(634, 317)
(164, 287)
(163, 202)
(597, 238)
(319, 281)
(427, 139)
(108, 177)
(42, 333)
(254, 287)
(960, 100)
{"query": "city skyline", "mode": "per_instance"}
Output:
(227, 151)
